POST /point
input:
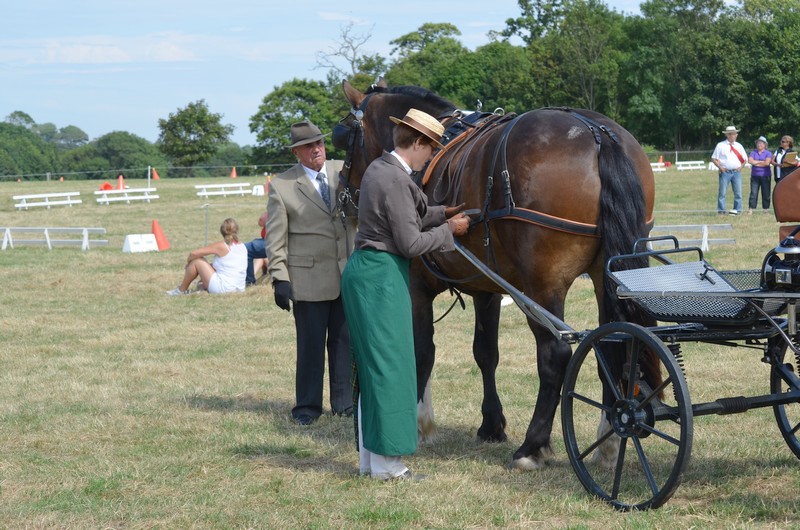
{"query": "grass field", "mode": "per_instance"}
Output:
(121, 407)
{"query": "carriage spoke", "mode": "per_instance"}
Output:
(634, 348)
(648, 472)
(597, 443)
(608, 378)
(664, 436)
(795, 428)
(618, 469)
(654, 394)
(590, 401)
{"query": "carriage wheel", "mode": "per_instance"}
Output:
(636, 458)
(788, 415)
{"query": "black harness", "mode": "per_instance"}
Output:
(347, 135)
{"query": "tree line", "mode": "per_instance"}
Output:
(674, 75)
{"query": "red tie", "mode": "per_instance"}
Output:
(739, 156)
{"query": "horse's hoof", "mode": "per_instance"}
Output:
(526, 463)
(492, 438)
(426, 431)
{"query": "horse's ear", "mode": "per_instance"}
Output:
(382, 83)
(352, 94)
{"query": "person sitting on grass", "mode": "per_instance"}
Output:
(257, 254)
(227, 274)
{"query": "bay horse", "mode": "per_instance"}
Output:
(558, 191)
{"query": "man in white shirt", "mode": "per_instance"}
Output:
(729, 156)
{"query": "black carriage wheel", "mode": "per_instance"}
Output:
(647, 437)
(788, 415)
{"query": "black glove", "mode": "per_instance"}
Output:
(283, 294)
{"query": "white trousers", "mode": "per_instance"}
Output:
(378, 466)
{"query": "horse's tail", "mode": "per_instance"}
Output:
(622, 220)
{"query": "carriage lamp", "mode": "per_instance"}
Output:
(782, 273)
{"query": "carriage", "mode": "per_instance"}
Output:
(636, 459)
(557, 193)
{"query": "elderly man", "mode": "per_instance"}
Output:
(307, 252)
(729, 156)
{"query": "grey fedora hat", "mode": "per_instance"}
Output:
(304, 132)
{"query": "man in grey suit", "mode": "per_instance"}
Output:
(307, 250)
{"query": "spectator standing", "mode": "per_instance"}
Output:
(760, 177)
(782, 168)
(307, 251)
(729, 156)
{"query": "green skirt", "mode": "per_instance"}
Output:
(378, 308)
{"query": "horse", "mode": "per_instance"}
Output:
(557, 191)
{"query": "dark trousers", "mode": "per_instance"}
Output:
(256, 248)
(321, 324)
(763, 184)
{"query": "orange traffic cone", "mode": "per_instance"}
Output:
(120, 182)
(105, 186)
(161, 240)
(61, 179)
(661, 159)
(155, 175)
(233, 172)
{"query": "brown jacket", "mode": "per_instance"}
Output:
(306, 244)
(394, 215)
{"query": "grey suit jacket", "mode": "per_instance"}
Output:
(306, 244)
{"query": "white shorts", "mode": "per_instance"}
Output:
(217, 286)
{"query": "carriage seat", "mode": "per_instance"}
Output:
(672, 293)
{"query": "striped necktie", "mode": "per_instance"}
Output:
(323, 190)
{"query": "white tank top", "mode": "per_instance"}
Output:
(232, 267)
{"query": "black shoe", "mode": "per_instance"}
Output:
(346, 413)
(304, 419)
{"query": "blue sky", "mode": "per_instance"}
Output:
(121, 65)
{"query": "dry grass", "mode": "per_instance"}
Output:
(124, 408)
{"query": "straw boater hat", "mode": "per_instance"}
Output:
(304, 132)
(424, 123)
(730, 129)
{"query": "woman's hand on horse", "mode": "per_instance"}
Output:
(458, 224)
(450, 211)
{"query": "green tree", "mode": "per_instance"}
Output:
(48, 131)
(585, 46)
(293, 101)
(70, 137)
(128, 153)
(24, 152)
(433, 58)
(537, 18)
(20, 118)
(193, 134)
(87, 161)
(427, 34)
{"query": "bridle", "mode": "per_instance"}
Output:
(348, 133)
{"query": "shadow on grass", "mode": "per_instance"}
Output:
(241, 402)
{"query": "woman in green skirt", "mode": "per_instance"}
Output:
(395, 224)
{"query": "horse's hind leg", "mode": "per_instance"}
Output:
(486, 354)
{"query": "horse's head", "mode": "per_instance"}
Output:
(366, 131)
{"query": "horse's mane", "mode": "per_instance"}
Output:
(415, 92)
